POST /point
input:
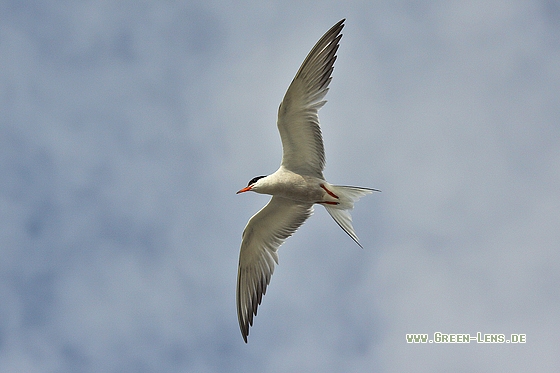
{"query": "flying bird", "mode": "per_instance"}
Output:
(298, 184)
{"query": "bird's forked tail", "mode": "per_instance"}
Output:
(341, 212)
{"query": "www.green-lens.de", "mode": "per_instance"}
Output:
(466, 338)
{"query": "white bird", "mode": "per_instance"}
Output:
(297, 184)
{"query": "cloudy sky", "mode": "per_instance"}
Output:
(126, 128)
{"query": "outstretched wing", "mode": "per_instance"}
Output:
(298, 121)
(264, 233)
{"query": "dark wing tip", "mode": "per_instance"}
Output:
(254, 300)
(338, 26)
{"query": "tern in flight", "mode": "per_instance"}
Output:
(297, 185)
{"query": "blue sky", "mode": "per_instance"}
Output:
(127, 127)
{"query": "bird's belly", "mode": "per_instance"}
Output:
(311, 195)
(302, 189)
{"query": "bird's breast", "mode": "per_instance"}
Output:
(298, 187)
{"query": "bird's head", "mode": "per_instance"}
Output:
(252, 185)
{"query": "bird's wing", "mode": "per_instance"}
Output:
(298, 122)
(264, 233)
